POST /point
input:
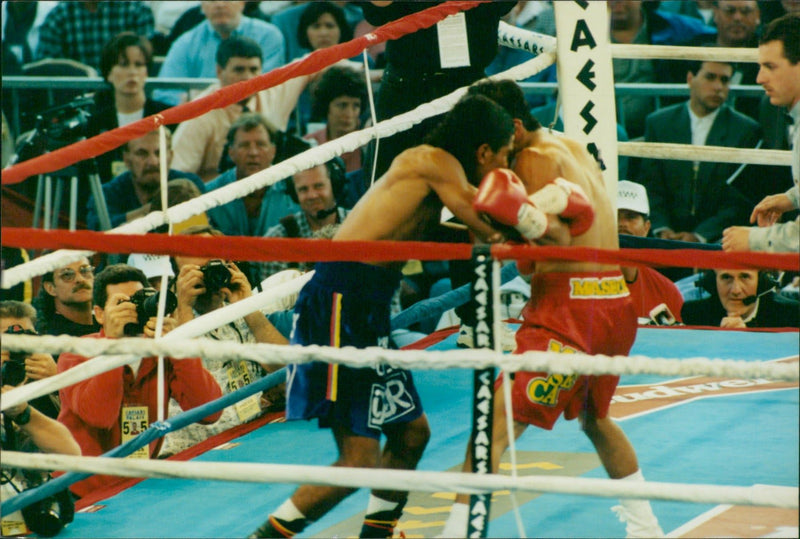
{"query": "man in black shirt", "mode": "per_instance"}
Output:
(741, 299)
(65, 301)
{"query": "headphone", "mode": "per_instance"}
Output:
(336, 172)
(767, 280)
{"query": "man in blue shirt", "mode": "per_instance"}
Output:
(194, 53)
(251, 148)
(128, 195)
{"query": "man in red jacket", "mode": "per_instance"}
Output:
(115, 406)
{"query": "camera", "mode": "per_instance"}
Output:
(48, 516)
(56, 128)
(216, 275)
(146, 301)
(13, 371)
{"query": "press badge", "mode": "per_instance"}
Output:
(13, 524)
(453, 42)
(238, 377)
(135, 421)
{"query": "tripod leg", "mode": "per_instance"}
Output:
(73, 202)
(37, 206)
(48, 202)
(99, 202)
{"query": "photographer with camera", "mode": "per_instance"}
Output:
(19, 367)
(115, 406)
(205, 285)
(25, 427)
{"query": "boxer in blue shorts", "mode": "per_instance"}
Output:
(347, 304)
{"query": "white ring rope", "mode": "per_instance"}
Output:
(420, 481)
(675, 52)
(535, 43)
(368, 357)
(194, 328)
(716, 154)
(275, 173)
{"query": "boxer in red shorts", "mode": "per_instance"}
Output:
(555, 195)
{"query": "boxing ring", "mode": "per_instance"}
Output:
(744, 406)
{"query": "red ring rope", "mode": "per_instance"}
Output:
(308, 250)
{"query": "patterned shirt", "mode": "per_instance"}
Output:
(265, 269)
(72, 31)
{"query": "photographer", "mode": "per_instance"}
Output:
(115, 406)
(19, 367)
(205, 285)
(25, 427)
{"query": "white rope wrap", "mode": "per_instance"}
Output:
(716, 154)
(368, 357)
(420, 481)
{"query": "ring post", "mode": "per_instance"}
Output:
(484, 290)
(586, 82)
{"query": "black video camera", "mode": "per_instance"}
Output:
(216, 275)
(146, 301)
(13, 371)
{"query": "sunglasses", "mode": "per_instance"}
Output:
(731, 10)
(68, 275)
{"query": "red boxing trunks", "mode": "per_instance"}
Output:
(568, 313)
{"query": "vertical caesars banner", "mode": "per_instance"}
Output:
(586, 82)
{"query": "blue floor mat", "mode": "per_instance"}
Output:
(744, 439)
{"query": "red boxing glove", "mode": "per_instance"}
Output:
(568, 200)
(502, 196)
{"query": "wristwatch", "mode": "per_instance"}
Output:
(23, 418)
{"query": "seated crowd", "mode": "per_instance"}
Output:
(686, 201)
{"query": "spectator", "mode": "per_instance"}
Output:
(737, 23)
(635, 21)
(179, 191)
(65, 301)
(699, 9)
(338, 99)
(22, 22)
(317, 190)
(321, 25)
(740, 299)
(124, 65)
(100, 411)
(251, 148)
(193, 54)
(779, 58)
(417, 71)
(128, 195)
(19, 317)
(649, 289)
(203, 286)
(80, 30)
(691, 201)
(200, 142)
(288, 21)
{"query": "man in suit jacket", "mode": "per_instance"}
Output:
(691, 201)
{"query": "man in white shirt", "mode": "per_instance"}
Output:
(779, 58)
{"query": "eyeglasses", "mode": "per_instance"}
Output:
(68, 275)
(731, 10)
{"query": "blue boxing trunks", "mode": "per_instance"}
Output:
(347, 304)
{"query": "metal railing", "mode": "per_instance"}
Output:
(15, 85)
